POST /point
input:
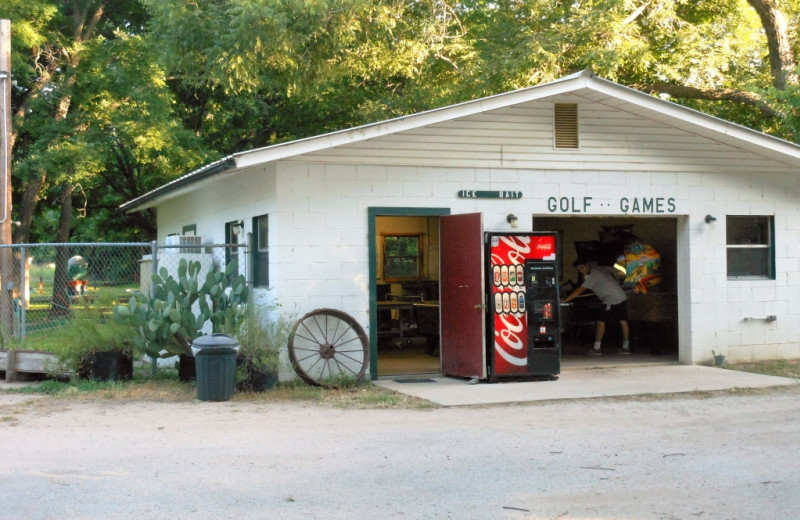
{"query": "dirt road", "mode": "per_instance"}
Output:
(725, 457)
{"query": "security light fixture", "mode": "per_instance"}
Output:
(512, 220)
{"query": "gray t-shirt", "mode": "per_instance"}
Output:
(605, 286)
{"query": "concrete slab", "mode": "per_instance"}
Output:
(584, 383)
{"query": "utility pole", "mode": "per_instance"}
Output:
(6, 254)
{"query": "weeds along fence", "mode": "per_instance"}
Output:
(52, 283)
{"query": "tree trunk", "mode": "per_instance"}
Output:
(27, 207)
(61, 299)
(781, 58)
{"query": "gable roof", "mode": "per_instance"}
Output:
(585, 83)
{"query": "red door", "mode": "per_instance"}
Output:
(461, 281)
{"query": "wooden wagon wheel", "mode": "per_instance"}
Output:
(327, 347)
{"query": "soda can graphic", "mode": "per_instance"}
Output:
(514, 302)
(521, 302)
(512, 275)
(520, 274)
(496, 275)
(498, 303)
(506, 303)
(504, 275)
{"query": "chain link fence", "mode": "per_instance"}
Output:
(51, 282)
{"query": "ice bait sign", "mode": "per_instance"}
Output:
(481, 194)
(627, 205)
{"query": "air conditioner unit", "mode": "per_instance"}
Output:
(183, 241)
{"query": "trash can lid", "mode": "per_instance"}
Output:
(215, 341)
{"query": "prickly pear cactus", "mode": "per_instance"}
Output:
(169, 320)
(226, 299)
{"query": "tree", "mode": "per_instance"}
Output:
(93, 116)
(56, 34)
(259, 72)
(94, 120)
(741, 34)
(302, 68)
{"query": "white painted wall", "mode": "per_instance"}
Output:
(318, 210)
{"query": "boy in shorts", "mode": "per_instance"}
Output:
(601, 280)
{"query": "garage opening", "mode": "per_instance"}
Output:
(652, 308)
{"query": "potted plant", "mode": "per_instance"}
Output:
(260, 345)
(95, 347)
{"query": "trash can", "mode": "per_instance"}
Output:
(215, 359)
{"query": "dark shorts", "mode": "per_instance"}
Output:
(615, 313)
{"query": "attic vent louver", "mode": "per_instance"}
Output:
(565, 118)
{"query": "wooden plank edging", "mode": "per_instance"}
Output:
(28, 361)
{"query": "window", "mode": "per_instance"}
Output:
(261, 251)
(751, 248)
(234, 232)
(565, 124)
(401, 256)
(190, 230)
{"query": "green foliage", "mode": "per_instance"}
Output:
(168, 321)
(92, 110)
(788, 101)
(262, 342)
(255, 72)
(290, 69)
(88, 331)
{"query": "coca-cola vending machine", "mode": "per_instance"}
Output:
(524, 337)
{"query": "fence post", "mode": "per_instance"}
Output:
(23, 281)
(11, 366)
(154, 254)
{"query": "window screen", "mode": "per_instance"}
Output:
(750, 247)
(261, 251)
(401, 256)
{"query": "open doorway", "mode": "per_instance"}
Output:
(652, 310)
(404, 291)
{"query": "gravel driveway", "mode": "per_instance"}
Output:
(730, 456)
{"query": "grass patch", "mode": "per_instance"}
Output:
(355, 395)
(139, 389)
(165, 387)
(782, 367)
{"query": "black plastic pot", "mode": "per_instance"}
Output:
(113, 365)
(257, 380)
(187, 370)
(261, 381)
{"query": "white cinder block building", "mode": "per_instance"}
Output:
(351, 220)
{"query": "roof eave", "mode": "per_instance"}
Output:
(152, 198)
(695, 117)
